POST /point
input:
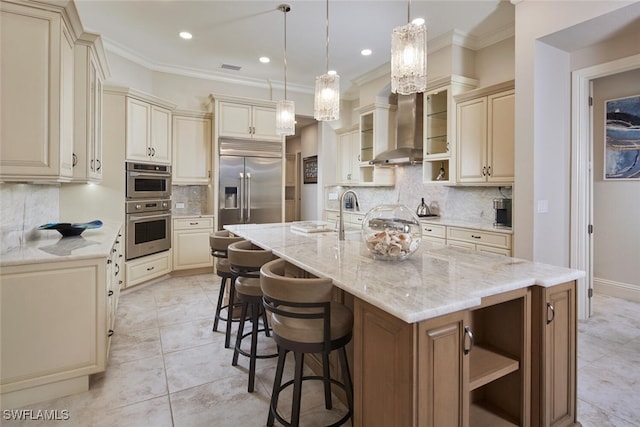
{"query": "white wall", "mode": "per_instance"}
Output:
(616, 207)
(310, 141)
(534, 72)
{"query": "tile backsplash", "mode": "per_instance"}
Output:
(24, 207)
(194, 198)
(473, 204)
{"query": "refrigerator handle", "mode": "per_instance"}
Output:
(248, 197)
(241, 196)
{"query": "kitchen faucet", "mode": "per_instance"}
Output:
(342, 197)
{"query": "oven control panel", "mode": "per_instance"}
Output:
(148, 205)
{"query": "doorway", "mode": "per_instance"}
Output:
(582, 182)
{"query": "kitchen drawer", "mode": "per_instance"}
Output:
(357, 219)
(433, 230)
(194, 222)
(487, 238)
(149, 267)
(332, 217)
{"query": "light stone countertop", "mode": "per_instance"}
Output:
(51, 246)
(434, 281)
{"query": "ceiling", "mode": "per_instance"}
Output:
(238, 32)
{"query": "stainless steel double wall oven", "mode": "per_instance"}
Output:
(148, 209)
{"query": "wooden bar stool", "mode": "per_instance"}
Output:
(219, 241)
(305, 320)
(245, 260)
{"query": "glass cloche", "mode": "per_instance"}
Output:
(391, 232)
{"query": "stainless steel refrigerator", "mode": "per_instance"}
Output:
(250, 182)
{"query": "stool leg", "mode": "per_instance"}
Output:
(297, 390)
(346, 378)
(232, 292)
(255, 320)
(277, 381)
(243, 315)
(327, 380)
(223, 284)
(266, 322)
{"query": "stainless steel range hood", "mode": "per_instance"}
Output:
(408, 146)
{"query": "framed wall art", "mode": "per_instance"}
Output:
(310, 169)
(622, 138)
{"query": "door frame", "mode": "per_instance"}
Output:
(581, 252)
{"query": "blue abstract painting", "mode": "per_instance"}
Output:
(622, 138)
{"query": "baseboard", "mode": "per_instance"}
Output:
(616, 289)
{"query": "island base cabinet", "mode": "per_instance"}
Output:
(554, 372)
(442, 386)
(383, 368)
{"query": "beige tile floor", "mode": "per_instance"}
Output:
(167, 368)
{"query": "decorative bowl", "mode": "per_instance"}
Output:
(68, 229)
(391, 232)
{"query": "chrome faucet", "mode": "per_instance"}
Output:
(357, 205)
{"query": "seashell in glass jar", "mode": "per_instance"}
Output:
(391, 232)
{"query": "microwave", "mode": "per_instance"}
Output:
(146, 181)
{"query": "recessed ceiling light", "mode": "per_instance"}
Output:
(332, 72)
(418, 21)
(185, 35)
(264, 60)
(365, 52)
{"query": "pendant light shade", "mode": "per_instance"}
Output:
(327, 95)
(285, 110)
(409, 58)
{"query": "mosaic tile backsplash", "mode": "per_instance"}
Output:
(24, 207)
(194, 197)
(474, 204)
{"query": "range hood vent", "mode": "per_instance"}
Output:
(408, 147)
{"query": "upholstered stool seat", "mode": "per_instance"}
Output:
(245, 260)
(305, 320)
(219, 241)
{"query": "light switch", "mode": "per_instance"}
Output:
(333, 195)
(543, 206)
(179, 205)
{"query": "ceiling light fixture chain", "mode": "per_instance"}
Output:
(327, 93)
(285, 110)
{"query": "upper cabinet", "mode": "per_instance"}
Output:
(90, 72)
(348, 144)
(148, 129)
(439, 144)
(191, 148)
(247, 120)
(486, 135)
(377, 131)
(36, 100)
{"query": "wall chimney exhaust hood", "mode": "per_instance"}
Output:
(408, 144)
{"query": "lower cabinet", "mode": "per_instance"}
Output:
(149, 267)
(56, 322)
(508, 362)
(190, 242)
(479, 240)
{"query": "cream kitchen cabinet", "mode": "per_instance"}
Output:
(247, 120)
(91, 70)
(36, 100)
(434, 232)
(57, 316)
(191, 242)
(148, 129)
(479, 240)
(192, 144)
(439, 132)
(149, 267)
(486, 135)
(348, 165)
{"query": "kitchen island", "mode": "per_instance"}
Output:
(448, 336)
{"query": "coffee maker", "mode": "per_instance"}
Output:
(503, 212)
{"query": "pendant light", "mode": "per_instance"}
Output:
(327, 96)
(409, 57)
(285, 110)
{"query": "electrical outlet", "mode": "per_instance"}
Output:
(543, 206)
(179, 205)
(333, 195)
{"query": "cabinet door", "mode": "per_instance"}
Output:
(290, 170)
(191, 150)
(264, 123)
(348, 150)
(235, 120)
(443, 398)
(160, 135)
(383, 381)
(66, 106)
(138, 129)
(501, 135)
(191, 249)
(553, 371)
(472, 140)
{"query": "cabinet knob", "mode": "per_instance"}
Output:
(99, 165)
(110, 333)
(109, 293)
(468, 334)
(550, 308)
(484, 171)
(489, 170)
(74, 162)
(193, 223)
(150, 268)
(476, 237)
